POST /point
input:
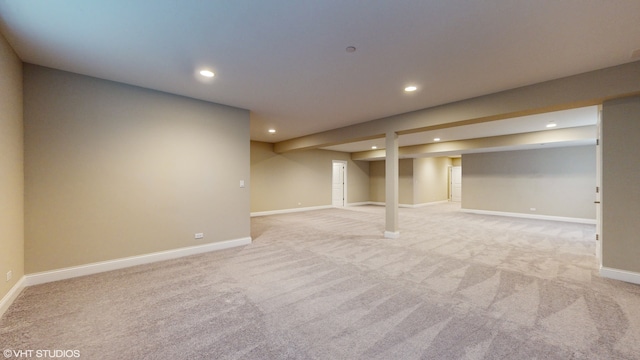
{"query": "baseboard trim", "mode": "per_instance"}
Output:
(11, 296)
(413, 206)
(622, 275)
(362, 203)
(531, 216)
(103, 266)
(427, 204)
(287, 211)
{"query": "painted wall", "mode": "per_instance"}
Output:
(556, 181)
(421, 180)
(377, 173)
(621, 184)
(114, 171)
(11, 169)
(431, 179)
(301, 179)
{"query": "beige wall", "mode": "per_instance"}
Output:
(11, 169)
(556, 181)
(113, 170)
(431, 179)
(376, 181)
(301, 179)
(621, 184)
(420, 180)
(377, 173)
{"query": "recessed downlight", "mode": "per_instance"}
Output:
(411, 88)
(374, 147)
(272, 131)
(207, 73)
(436, 139)
(552, 125)
(351, 49)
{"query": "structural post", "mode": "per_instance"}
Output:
(391, 186)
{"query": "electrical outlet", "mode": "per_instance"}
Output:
(9, 275)
(199, 235)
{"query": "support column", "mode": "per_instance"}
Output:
(391, 186)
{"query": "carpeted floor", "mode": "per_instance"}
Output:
(326, 285)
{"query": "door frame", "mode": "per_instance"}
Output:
(344, 181)
(598, 189)
(451, 180)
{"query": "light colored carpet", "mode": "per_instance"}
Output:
(326, 285)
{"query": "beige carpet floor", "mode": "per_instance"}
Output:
(326, 285)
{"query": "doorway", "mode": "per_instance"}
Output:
(456, 183)
(338, 183)
(598, 197)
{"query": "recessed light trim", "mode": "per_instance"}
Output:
(374, 147)
(411, 88)
(551, 125)
(207, 73)
(436, 139)
(272, 131)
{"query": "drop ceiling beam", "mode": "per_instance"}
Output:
(585, 89)
(461, 146)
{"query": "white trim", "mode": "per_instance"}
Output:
(344, 179)
(531, 216)
(427, 204)
(11, 296)
(363, 203)
(392, 234)
(377, 203)
(622, 275)
(287, 211)
(94, 268)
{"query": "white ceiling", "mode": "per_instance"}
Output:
(286, 61)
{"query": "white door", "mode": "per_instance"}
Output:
(338, 188)
(456, 183)
(599, 191)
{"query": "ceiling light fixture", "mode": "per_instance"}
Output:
(436, 139)
(374, 147)
(207, 73)
(351, 49)
(272, 131)
(410, 88)
(551, 125)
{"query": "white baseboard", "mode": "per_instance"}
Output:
(362, 203)
(427, 204)
(622, 275)
(531, 216)
(287, 211)
(13, 293)
(94, 268)
(378, 203)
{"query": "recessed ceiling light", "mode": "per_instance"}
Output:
(374, 147)
(207, 73)
(436, 139)
(551, 125)
(272, 131)
(410, 88)
(351, 49)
